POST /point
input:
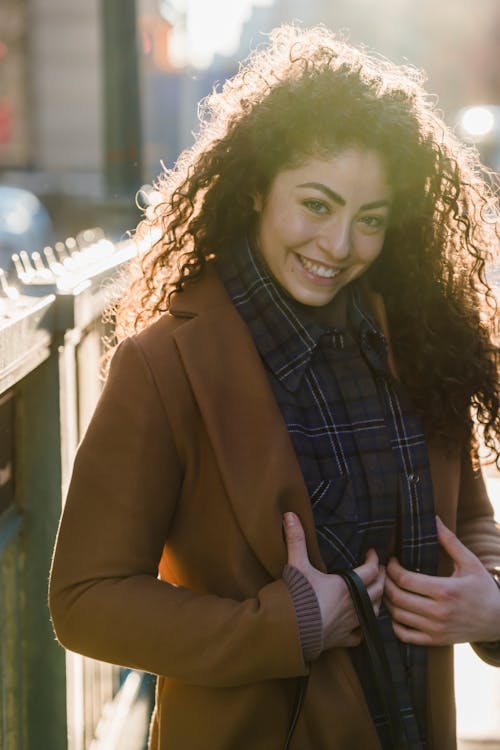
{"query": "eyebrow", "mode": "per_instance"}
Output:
(336, 198)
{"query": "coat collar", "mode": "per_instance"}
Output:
(254, 453)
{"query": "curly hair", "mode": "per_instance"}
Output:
(308, 93)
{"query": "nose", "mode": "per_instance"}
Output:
(335, 239)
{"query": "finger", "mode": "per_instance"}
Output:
(430, 607)
(376, 601)
(417, 583)
(416, 637)
(371, 556)
(407, 600)
(409, 619)
(376, 589)
(382, 576)
(461, 556)
(295, 542)
(369, 571)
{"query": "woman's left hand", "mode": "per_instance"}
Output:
(434, 611)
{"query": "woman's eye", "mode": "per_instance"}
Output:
(374, 223)
(316, 206)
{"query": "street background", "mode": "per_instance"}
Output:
(96, 98)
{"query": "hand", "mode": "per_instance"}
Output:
(340, 622)
(434, 611)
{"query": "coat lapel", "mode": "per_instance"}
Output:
(255, 456)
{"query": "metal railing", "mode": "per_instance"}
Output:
(51, 334)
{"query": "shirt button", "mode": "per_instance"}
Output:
(413, 478)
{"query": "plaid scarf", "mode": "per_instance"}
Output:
(360, 447)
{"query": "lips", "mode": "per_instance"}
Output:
(318, 269)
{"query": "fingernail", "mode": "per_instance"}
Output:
(289, 519)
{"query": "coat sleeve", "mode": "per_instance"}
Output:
(105, 598)
(477, 529)
(476, 526)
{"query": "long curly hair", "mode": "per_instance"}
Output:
(308, 93)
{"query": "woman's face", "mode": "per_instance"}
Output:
(323, 223)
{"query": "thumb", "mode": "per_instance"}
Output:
(369, 570)
(295, 542)
(459, 553)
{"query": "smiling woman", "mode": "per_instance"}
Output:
(304, 349)
(323, 224)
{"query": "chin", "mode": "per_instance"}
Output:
(313, 300)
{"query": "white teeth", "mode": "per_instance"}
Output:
(318, 270)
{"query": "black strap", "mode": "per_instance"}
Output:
(378, 659)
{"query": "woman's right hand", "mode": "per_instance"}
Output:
(340, 622)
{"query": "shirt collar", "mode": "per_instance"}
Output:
(285, 333)
(372, 341)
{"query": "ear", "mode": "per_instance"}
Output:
(258, 203)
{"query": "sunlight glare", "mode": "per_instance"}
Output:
(477, 121)
(213, 28)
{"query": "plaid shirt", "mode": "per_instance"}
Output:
(359, 445)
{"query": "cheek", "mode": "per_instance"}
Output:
(370, 248)
(282, 230)
(297, 233)
(287, 224)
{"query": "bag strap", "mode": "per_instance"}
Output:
(378, 662)
(378, 658)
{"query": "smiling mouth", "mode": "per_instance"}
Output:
(324, 272)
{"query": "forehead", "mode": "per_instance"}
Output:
(353, 168)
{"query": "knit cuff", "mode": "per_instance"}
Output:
(307, 611)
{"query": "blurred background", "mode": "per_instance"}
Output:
(95, 97)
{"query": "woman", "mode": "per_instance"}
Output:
(323, 208)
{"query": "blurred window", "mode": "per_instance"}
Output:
(14, 130)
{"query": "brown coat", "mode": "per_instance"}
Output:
(187, 465)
